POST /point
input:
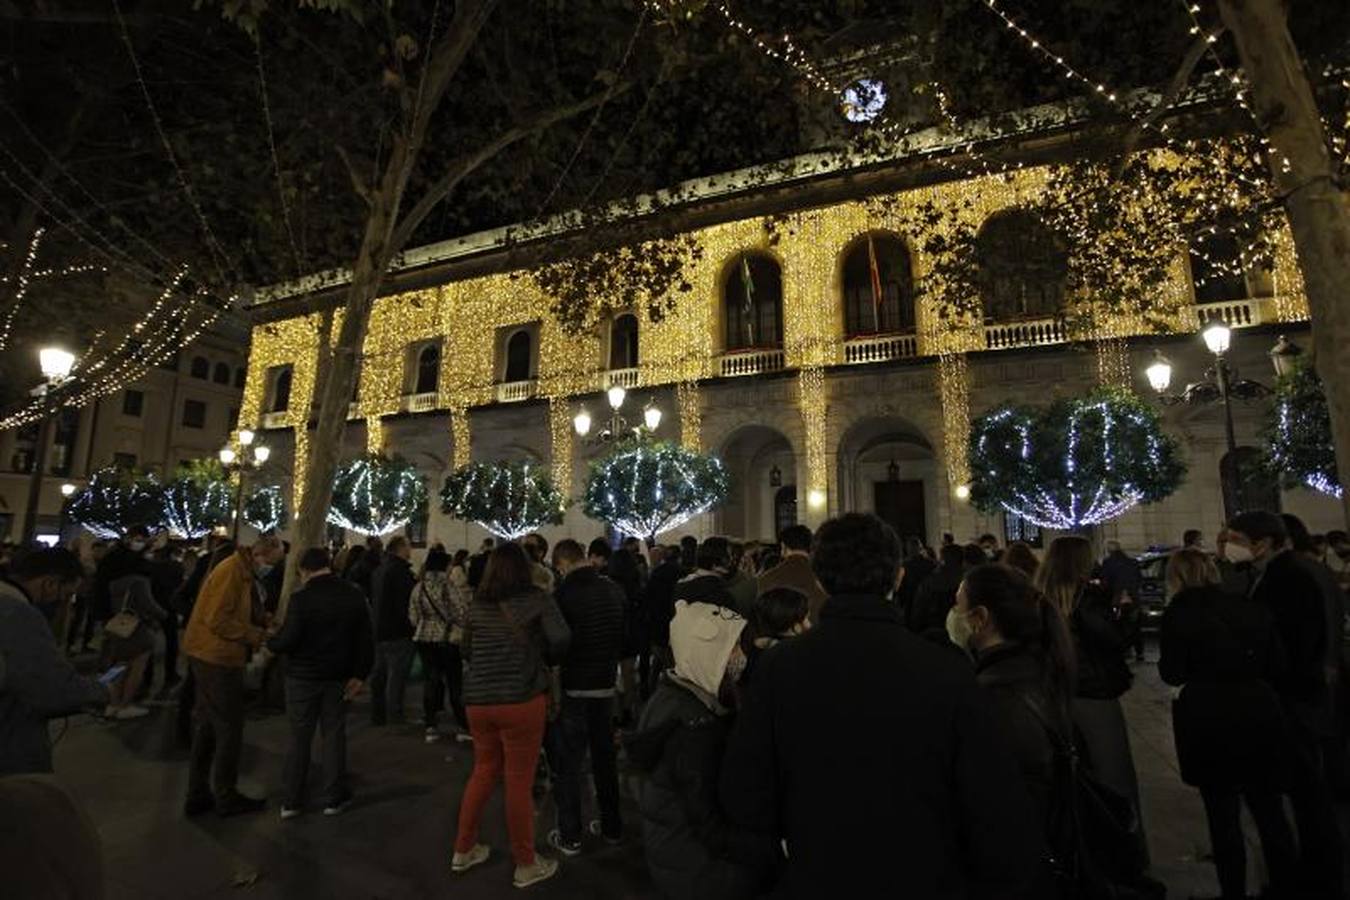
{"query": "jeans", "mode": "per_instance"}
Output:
(583, 723)
(443, 670)
(506, 737)
(389, 679)
(218, 729)
(1223, 809)
(310, 704)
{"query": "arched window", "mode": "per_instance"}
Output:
(878, 287)
(201, 367)
(623, 342)
(752, 295)
(518, 357)
(240, 377)
(281, 390)
(221, 374)
(1220, 274)
(1022, 267)
(428, 369)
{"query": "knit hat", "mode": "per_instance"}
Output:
(702, 636)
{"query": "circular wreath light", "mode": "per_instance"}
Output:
(863, 100)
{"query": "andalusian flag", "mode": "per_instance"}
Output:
(875, 272)
(748, 310)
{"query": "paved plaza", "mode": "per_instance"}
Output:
(394, 842)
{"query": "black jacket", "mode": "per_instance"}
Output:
(1223, 652)
(1120, 573)
(706, 588)
(659, 601)
(935, 596)
(326, 635)
(917, 568)
(860, 741)
(1289, 589)
(392, 583)
(1099, 644)
(593, 606)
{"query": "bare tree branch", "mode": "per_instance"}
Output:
(358, 183)
(1180, 78)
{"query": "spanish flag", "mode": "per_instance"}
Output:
(875, 272)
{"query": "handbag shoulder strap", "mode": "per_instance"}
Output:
(435, 607)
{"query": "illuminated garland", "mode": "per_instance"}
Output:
(1298, 433)
(114, 501)
(1074, 463)
(375, 495)
(509, 499)
(196, 500)
(266, 509)
(644, 488)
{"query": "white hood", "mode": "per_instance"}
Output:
(702, 636)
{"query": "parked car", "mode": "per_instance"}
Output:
(1152, 587)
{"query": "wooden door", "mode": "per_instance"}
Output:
(900, 504)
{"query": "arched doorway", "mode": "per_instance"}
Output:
(763, 469)
(887, 467)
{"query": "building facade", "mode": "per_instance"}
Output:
(803, 356)
(183, 409)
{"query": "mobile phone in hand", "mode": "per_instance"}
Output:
(112, 674)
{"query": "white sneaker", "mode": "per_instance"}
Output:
(542, 869)
(463, 737)
(463, 862)
(432, 735)
(290, 812)
(132, 711)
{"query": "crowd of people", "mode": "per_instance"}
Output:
(837, 709)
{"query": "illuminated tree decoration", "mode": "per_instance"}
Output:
(645, 488)
(196, 500)
(376, 494)
(1073, 463)
(114, 501)
(509, 499)
(1298, 433)
(266, 509)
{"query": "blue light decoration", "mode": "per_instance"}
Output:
(509, 499)
(644, 488)
(1298, 433)
(197, 500)
(375, 495)
(114, 500)
(265, 510)
(1073, 463)
(863, 100)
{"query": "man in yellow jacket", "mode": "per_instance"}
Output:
(225, 626)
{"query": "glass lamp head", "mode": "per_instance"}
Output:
(963, 492)
(582, 422)
(1159, 373)
(245, 437)
(1217, 336)
(652, 417)
(55, 363)
(67, 489)
(1284, 356)
(227, 455)
(616, 396)
(261, 453)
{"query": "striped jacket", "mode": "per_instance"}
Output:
(508, 648)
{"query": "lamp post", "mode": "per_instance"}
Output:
(250, 457)
(56, 364)
(617, 426)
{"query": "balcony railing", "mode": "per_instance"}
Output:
(516, 391)
(880, 348)
(418, 403)
(751, 362)
(624, 378)
(278, 419)
(1031, 333)
(1235, 313)
(353, 410)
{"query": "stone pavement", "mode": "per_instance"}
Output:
(394, 842)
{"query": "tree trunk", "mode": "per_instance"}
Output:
(1319, 218)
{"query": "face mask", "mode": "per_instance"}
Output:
(958, 628)
(1237, 553)
(136, 546)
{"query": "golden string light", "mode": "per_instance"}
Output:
(461, 436)
(813, 401)
(954, 392)
(375, 434)
(691, 415)
(560, 443)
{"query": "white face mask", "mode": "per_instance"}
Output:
(1237, 553)
(136, 546)
(958, 628)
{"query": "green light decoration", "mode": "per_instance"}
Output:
(114, 501)
(1074, 462)
(1298, 433)
(265, 510)
(509, 499)
(644, 488)
(376, 494)
(198, 499)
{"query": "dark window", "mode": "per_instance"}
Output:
(623, 342)
(22, 460)
(281, 390)
(201, 367)
(753, 296)
(1016, 528)
(169, 362)
(240, 377)
(234, 417)
(416, 529)
(1022, 267)
(29, 432)
(878, 287)
(221, 374)
(194, 414)
(519, 357)
(124, 460)
(1220, 274)
(63, 441)
(428, 369)
(132, 403)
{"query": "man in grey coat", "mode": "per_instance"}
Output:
(39, 683)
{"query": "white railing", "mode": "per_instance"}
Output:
(1235, 313)
(880, 348)
(751, 362)
(624, 378)
(278, 419)
(515, 391)
(418, 403)
(1032, 333)
(354, 410)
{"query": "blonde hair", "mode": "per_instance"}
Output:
(1067, 567)
(1190, 567)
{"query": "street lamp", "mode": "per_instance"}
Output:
(249, 457)
(617, 426)
(56, 364)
